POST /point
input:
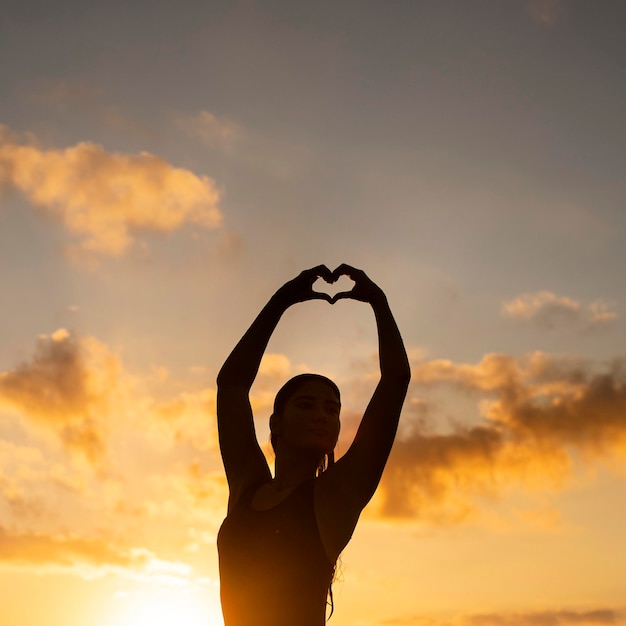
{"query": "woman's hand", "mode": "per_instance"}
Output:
(364, 290)
(300, 288)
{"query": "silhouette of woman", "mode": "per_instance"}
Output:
(282, 536)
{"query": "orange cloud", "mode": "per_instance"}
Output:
(65, 388)
(561, 398)
(88, 557)
(549, 311)
(190, 490)
(276, 366)
(38, 548)
(105, 198)
(538, 412)
(78, 389)
(188, 418)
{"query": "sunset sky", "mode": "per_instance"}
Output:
(165, 167)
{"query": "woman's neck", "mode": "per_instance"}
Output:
(293, 467)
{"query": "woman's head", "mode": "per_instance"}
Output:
(306, 414)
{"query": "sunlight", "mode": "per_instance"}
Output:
(166, 609)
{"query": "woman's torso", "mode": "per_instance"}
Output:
(273, 566)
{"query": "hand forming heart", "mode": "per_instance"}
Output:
(362, 287)
(340, 284)
(300, 288)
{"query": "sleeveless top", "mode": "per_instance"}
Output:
(273, 567)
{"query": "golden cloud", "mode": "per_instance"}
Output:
(276, 366)
(88, 557)
(65, 388)
(21, 471)
(537, 413)
(39, 548)
(188, 418)
(106, 198)
(76, 391)
(274, 370)
(190, 489)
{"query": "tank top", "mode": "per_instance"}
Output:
(273, 567)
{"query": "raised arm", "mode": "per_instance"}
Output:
(352, 481)
(243, 459)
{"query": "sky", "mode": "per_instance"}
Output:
(165, 167)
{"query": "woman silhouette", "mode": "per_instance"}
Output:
(282, 536)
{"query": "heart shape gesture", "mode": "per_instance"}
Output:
(301, 287)
(362, 288)
(341, 284)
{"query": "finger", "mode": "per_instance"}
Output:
(319, 271)
(341, 296)
(319, 295)
(345, 270)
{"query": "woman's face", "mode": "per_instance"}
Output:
(310, 419)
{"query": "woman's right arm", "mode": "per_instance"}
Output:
(244, 462)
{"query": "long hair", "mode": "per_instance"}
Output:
(280, 402)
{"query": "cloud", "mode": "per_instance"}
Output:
(74, 390)
(549, 311)
(65, 389)
(540, 415)
(546, 618)
(600, 616)
(599, 313)
(274, 370)
(275, 366)
(78, 389)
(105, 199)
(257, 153)
(22, 469)
(212, 130)
(534, 418)
(188, 418)
(187, 490)
(39, 548)
(88, 557)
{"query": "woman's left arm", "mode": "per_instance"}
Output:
(352, 481)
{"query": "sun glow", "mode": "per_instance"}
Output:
(165, 608)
